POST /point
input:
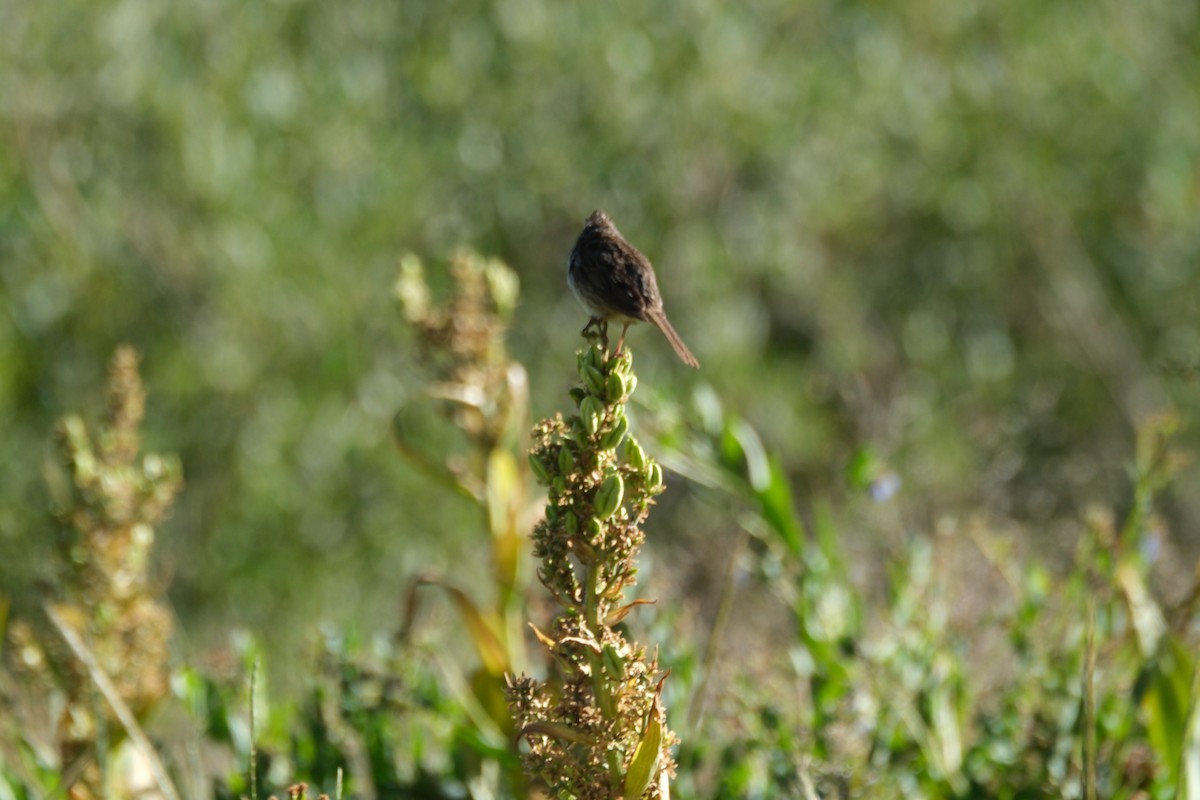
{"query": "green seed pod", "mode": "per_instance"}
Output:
(572, 523)
(539, 469)
(654, 476)
(551, 513)
(591, 411)
(593, 379)
(578, 393)
(592, 357)
(610, 440)
(634, 454)
(608, 496)
(595, 529)
(624, 362)
(630, 383)
(566, 461)
(615, 387)
(559, 484)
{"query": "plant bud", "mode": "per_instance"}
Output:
(634, 454)
(566, 462)
(591, 411)
(594, 380)
(615, 387)
(572, 523)
(654, 476)
(608, 496)
(610, 440)
(624, 362)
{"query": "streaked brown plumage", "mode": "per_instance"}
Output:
(614, 281)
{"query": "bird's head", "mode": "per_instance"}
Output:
(600, 221)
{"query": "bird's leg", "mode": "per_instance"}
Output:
(621, 341)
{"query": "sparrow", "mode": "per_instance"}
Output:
(614, 281)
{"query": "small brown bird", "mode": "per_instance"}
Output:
(613, 280)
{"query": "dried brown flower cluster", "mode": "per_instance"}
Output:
(599, 729)
(463, 338)
(105, 595)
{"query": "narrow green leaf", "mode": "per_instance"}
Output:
(502, 492)
(480, 628)
(1144, 612)
(778, 510)
(1189, 766)
(1165, 701)
(758, 467)
(645, 759)
(566, 461)
(539, 469)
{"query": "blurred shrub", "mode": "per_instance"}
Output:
(958, 232)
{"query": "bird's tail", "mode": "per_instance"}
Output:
(659, 319)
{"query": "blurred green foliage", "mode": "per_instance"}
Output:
(944, 248)
(962, 233)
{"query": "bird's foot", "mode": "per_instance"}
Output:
(596, 328)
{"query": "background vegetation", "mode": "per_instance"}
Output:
(939, 262)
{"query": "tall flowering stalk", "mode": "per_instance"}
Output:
(598, 728)
(107, 627)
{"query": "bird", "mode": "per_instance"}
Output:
(613, 280)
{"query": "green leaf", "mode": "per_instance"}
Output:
(861, 469)
(645, 759)
(566, 461)
(1189, 766)
(777, 508)
(1144, 612)
(1165, 700)
(741, 447)
(502, 492)
(539, 469)
(480, 627)
(750, 447)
